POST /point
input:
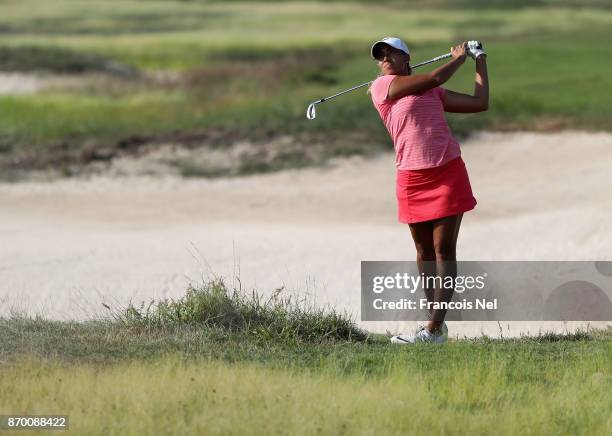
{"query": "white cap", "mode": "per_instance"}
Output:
(393, 42)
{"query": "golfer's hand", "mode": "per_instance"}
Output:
(459, 51)
(475, 49)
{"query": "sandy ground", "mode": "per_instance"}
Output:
(18, 83)
(70, 245)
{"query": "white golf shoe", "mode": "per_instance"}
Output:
(422, 335)
(444, 329)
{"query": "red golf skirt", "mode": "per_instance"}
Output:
(431, 193)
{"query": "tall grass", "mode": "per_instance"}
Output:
(279, 317)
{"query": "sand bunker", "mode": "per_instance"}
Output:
(70, 245)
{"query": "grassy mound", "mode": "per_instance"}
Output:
(215, 322)
(211, 321)
(214, 306)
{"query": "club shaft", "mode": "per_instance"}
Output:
(436, 59)
(344, 92)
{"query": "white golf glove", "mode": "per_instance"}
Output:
(475, 49)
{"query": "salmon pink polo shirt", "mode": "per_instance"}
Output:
(417, 126)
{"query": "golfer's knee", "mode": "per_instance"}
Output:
(425, 253)
(445, 252)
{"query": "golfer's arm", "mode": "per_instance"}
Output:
(479, 102)
(402, 86)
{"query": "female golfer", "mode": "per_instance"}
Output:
(432, 185)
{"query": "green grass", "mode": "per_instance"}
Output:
(177, 396)
(222, 362)
(183, 39)
(251, 68)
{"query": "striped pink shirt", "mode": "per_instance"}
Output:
(417, 126)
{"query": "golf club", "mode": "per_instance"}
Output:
(311, 112)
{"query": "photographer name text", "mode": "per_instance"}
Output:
(423, 304)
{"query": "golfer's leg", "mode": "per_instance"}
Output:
(445, 233)
(422, 234)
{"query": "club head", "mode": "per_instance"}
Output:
(311, 112)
